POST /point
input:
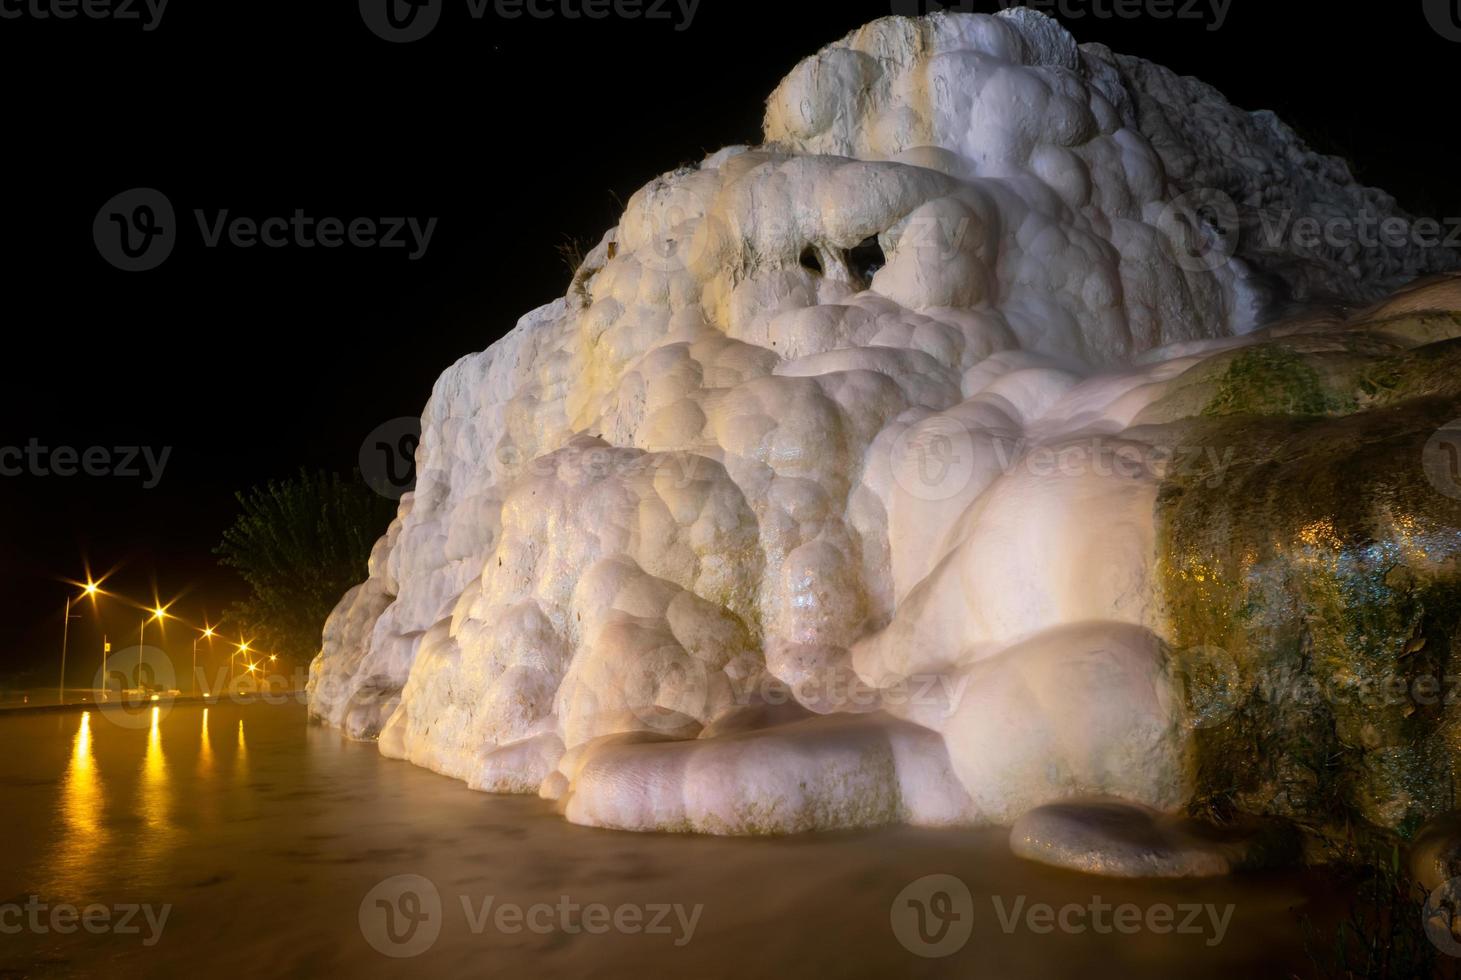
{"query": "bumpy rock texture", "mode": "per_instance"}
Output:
(927, 463)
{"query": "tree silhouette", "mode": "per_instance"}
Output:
(299, 544)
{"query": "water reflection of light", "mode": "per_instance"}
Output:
(81, 805)
(205, 753)
(152, 796)
(243, 752)
(154, 767)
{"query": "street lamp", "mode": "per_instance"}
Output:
(159, 613)
(243, 648)
(208, 633)
(89, 590)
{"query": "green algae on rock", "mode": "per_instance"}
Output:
(1313, 594)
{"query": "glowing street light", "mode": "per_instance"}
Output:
(159, 613)
(243, 649)
(90, 589)
(208, 632)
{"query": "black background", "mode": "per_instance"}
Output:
(514, 134)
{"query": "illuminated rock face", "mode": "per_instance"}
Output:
(828, 495)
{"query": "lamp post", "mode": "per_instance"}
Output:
(207, 631)
(65, 635)
(90, 589)
(159, 613)
(243, 648)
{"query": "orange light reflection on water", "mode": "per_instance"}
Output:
(81, 812)
(205, 751)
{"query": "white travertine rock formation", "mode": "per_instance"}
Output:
(754, 531)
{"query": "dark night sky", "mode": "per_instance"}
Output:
(249, 363)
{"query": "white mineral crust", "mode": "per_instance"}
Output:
(781, 435)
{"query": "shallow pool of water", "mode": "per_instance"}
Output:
(276, 848)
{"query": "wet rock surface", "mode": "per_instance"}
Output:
(1119, 840)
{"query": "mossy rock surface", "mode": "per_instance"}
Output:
(1312, 588)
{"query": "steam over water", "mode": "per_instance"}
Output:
(265, 835)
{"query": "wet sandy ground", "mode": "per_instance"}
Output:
(278, 846)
